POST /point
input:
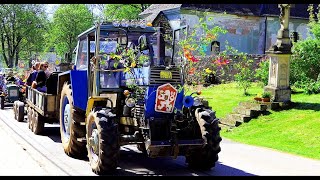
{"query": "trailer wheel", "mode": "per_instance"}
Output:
(32, 119)
(206, 156)
(14, 107)
(29, 116)
(38, 123)
(70, 130)
(102, 142)
(19, 111)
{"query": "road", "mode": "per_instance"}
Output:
(43, 155)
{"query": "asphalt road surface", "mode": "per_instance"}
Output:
(24, 153)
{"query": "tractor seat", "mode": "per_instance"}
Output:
(52, 82)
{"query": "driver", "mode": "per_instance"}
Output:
(10, 77)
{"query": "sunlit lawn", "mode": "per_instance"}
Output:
(295, 131)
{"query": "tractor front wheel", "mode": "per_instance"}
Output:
(102, 141)
(206, 156)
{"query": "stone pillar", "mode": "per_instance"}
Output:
(279, 53)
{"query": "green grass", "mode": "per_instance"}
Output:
(295, 131)
(224, 97)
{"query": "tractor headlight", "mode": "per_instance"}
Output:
(197, 101)
(130, 102)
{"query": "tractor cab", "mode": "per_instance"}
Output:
(106, 61)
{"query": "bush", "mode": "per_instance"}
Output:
(262, 72)
(305, 60)
(304, 64)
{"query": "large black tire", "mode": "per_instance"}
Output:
(102, 141)
(19, 111)
(1, 102)
(70, 134)
(206, 156)
(38, 123)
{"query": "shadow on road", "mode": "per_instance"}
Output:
(53, 133)
(223, 170)
(135, 163)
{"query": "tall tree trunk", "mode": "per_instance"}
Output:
(11, 59)
(17, 57)
(3, 50)
(30, 60)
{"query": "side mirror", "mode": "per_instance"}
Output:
(143, 42)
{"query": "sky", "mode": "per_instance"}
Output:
(50, 8)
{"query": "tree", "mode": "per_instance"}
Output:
(69, 20)
(18, 23)
(124, 11)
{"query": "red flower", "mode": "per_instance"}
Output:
(191, 71)
(189, 56)
(221, 61)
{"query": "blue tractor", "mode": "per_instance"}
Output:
(106, 103)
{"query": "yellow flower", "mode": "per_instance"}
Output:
(208, 71)
(133, 64)
(126, 69)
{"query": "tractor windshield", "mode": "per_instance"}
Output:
(115, 50)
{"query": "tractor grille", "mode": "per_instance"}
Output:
(155, 78)
(139, 108)
(139, 111)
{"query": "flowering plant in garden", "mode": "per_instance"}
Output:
(197, 64)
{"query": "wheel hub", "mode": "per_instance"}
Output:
(94, 141)
(66, 118)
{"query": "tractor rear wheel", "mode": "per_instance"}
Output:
(70, 130)
(102, 141)
(206, 156)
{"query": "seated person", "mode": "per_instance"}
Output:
(32, 76)
(40, 82)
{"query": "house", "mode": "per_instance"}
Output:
(252, 28)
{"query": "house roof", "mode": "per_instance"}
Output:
(156, 8)
(296, 11)
(152, 11)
